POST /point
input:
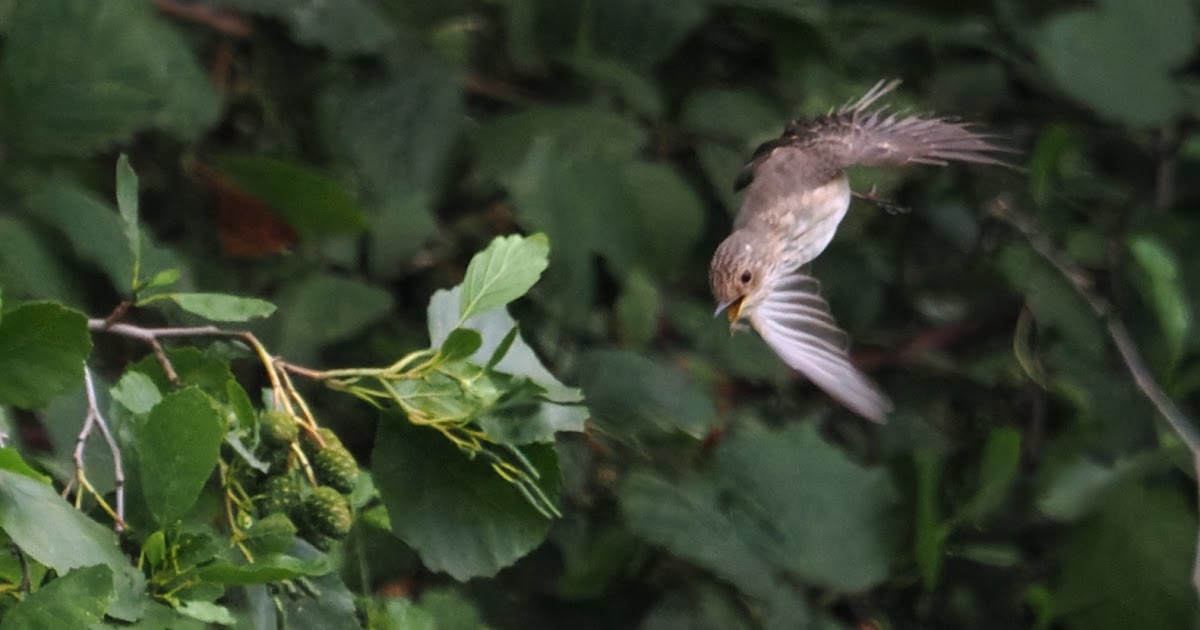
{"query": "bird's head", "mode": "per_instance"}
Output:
(738, 273)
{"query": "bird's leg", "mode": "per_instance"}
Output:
(887, 205)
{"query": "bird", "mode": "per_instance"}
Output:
(796, 194)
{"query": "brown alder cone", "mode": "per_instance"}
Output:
(796, 195)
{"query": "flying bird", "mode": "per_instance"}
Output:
(796, 195)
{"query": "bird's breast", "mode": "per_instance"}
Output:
(803, 219)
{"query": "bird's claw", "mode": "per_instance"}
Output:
(887, 205)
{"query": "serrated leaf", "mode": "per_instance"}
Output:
(42, 349)
(77, 599)
(177, 451)
(503, 272)
(127, 206)
(457, 513)
(460, 344)
(220, 307)
(78, 76)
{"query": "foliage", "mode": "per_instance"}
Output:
(394, 314)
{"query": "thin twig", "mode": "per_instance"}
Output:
(93, 420)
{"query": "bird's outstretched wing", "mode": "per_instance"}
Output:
(795, 321)
(857, 134)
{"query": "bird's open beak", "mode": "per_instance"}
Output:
(733, 310)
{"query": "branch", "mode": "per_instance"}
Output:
(1142, 377)
(94, 420)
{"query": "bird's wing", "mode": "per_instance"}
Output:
(857, 134)
(795, 321)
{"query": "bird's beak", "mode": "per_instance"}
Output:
(733, 310)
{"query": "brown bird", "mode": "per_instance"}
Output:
(796, 195)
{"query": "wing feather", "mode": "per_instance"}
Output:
(856, 134)
(796, 323)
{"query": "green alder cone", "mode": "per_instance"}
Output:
(278, 428)
(281, 494)
(335, 467)
(311, 447)
(327, 513)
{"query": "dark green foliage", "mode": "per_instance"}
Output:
(472, 237)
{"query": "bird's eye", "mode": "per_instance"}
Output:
(746, 276)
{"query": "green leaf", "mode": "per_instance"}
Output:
(457, 513)
(688, 519)
(136, 392)
(42, 349)
(11, 460)
(272, 534)
(312, 203)
(503, 272)
(78, 599)
(27, 506)
(506, 142)
(497, 327)
(436, 398)
(460, 344)
(638, 310)
(643, 32)
(669, 216)
(97, 234)
(1131, 565)
(630, 394)
(997, 470)
(28, 269)
(440, 609)
(1118, 57)
(345, 28)
(78, 76)
(264, 570)
(929, 532)
(207, 612)
(806, 508)
(220, 307)
(322, 309)
(400, 137)
(127, 205)
(177, 451)
(163, 278)
(1161, 283)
